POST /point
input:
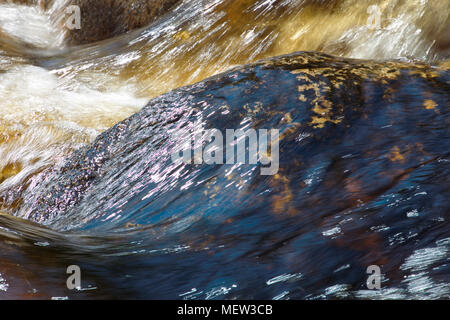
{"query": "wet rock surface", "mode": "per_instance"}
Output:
(104, 19)
(362, 180)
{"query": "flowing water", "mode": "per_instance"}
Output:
(74, 192)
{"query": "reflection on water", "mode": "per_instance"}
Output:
(140, 227)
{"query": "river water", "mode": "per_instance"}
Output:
(142, 228)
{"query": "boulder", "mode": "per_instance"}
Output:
(362, 180)
(103, 19)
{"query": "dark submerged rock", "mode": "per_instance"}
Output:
(363, 180)
(103, 19)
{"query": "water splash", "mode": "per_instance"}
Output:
(28, 27)
(43, 118)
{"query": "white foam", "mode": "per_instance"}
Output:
(30, 25)
(44, 117)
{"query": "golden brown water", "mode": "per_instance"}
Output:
(55, 98)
